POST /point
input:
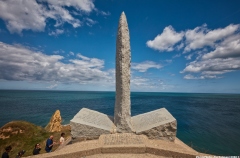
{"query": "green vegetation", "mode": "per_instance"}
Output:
(23, 135)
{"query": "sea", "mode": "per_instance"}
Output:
(209, 123)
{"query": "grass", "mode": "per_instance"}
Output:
(24, 135)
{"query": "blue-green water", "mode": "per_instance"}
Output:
(207, 122)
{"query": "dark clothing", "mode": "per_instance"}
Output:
(36, 151)
(5, 155)
(48, 143)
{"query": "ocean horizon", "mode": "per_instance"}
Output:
(57, 90)
(208, 122)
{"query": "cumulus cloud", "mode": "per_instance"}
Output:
(32, 15)
(214, 52)
(19, 63)
(223, 56)
(230, 47)
(86, 62)
(189, 57)
(212, 67)
(61, 16)
(82, 5)
(144, 66)
(201, 36)
(166, 40)
(218, 50)
(22, 14)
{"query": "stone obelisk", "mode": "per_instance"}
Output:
(122, 111)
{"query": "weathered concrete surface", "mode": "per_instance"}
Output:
(90, 124)
(54, 124)
(157, 124)
(120, 147)
(114, 155)
(122, 111)
(123, 143)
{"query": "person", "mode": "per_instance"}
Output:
(7, 150)
(49, 144)
(62, 139)
(20, 153)
(37, 149)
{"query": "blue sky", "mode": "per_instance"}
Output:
(176, 46)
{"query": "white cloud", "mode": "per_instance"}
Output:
(144, 66)
(90, 22)
(230, 47)
(191, 77)
(224, 56)
(104, 13)
(180, 46)
(139, 81)
(148, 84)
(211, 67)
(79, 55)
(32, 15)
(58, 51)
(61, 15)
(91, 63)
(56, 32)
(166, 40)
(52, 86)
(168, 61)
(216, 72)
(22, 15)
(201, 36)
(218, 50)
(176, 56)
(81, 5)
(19, 63)
(71, 53)
(189, 57)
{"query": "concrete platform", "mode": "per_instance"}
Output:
(124, 145)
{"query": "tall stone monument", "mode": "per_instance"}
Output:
(122, 112)
(157, 124)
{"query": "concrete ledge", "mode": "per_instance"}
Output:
(168, 153)
(124, 149)
(112, 144)
(83, 153)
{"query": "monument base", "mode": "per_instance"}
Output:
(90, 124)
(157, 124)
